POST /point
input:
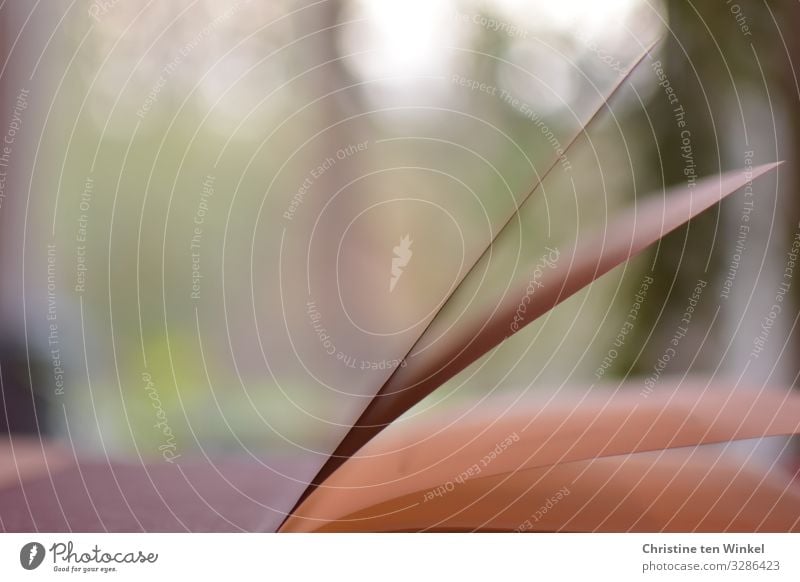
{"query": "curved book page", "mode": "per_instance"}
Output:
(677, 490)
(449, 345)
(421, 475)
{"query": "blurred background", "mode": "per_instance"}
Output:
(223, 224)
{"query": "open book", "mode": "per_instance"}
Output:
(583, 460)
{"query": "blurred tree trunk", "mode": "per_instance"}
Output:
(717, 67)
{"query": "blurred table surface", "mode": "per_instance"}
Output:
(43, 488)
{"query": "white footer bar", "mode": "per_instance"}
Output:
(406, 557)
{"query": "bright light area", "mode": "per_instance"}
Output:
(419, 37)
(403, 38)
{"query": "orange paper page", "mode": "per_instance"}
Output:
(448, 346)
(677, 490)
(427, 460)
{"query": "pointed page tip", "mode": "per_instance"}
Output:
(626, 236)
(594, 255)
